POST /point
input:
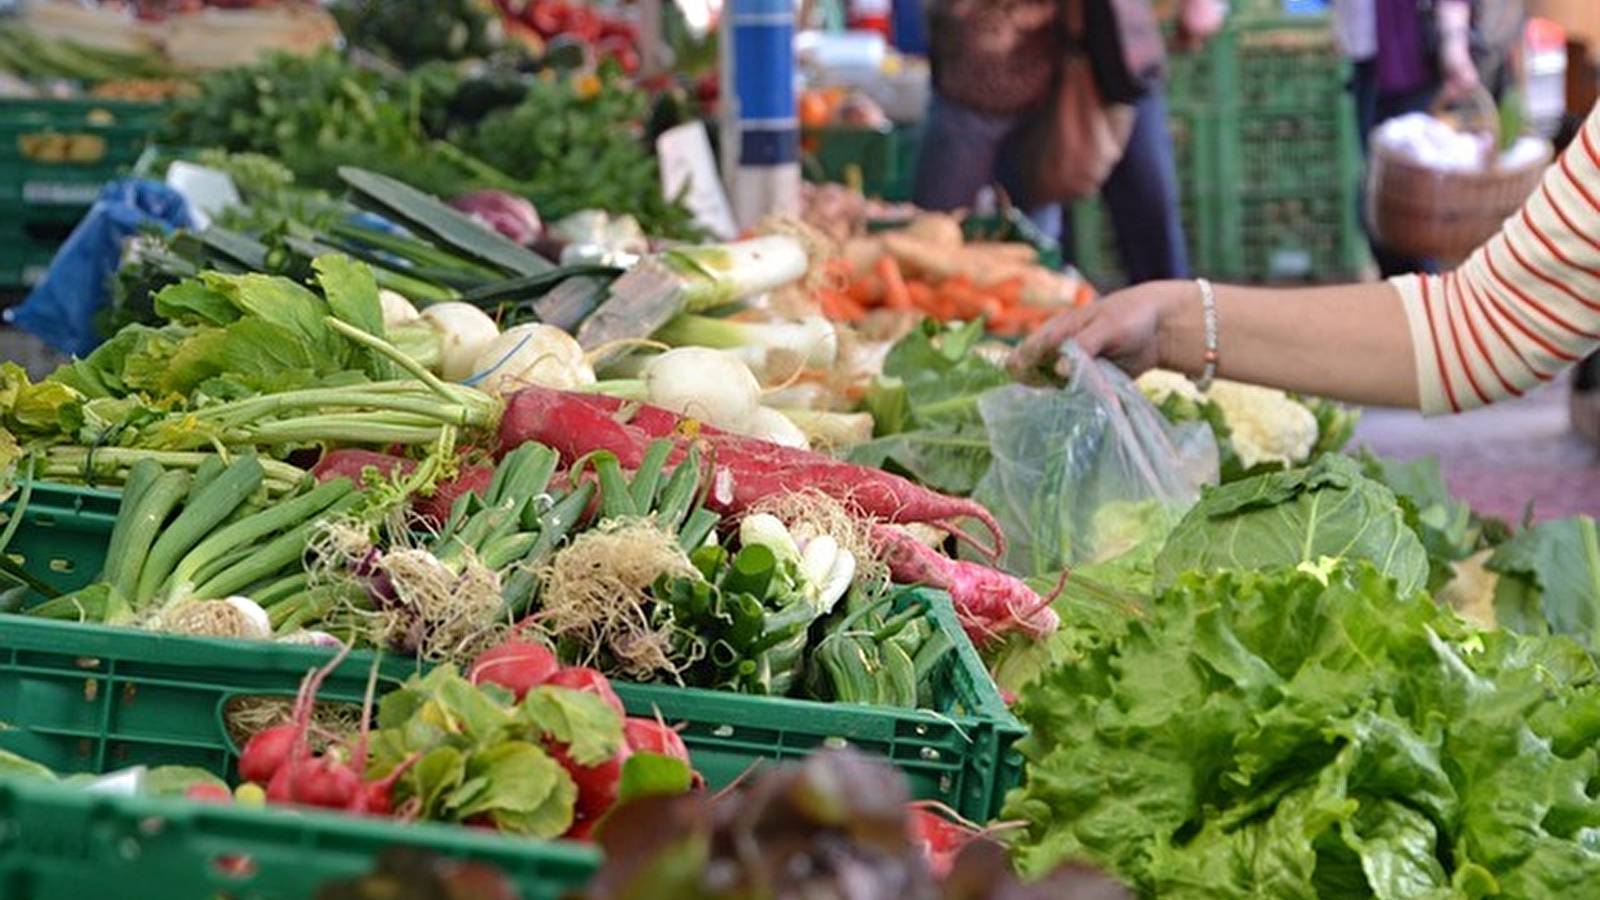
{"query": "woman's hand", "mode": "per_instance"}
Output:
(1123, 327)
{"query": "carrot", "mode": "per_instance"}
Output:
(895, 293)
(839, 306)
(865, 289)
(744, 470)
(989, 602)
(922, 295)
(964, 299)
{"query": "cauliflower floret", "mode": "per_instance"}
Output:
(1158, 384)
(1266, 425)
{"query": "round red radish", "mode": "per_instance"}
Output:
(325, 782)
(280, 787)
(209, 792)
(266, 752)
(939, 837)
(598, 785)
(517, 666)
(470, 479)
(653, 736)
(584, 678)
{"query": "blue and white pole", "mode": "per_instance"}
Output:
(761, 128)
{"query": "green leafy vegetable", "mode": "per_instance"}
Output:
(1549, 580)
(925, 407)
(479, 753)
(1289, 518)
(1314, 734)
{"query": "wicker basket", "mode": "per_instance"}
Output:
(1416, 210)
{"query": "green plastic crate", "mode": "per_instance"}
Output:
(56, 154)
(55, 157)
(882, 162)
(94, 698)
(62, 537)
(65, 843)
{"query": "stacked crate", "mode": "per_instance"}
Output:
(1293, 157)
(55, 157)
(1267, 159)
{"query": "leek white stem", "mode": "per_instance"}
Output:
(716, 274)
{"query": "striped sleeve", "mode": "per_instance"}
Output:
(1526, 304)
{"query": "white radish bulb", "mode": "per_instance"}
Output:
(259, 624)
(397, 310)
(464, 330)
(711, 385)
(531, 354)
(772, 425)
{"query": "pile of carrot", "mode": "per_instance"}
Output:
(928, 269)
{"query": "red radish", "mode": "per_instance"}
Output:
(516, 665)
(989, 602)
(209, 792)
(324, 781)
(939, 836)
(280, 786)
(745, 470)
(267, 751)
(584, 678)
(470, 479)
(653, 736)
(353, 462)
(582, 829)
(598, 785)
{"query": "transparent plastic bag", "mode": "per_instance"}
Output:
(1088, 471)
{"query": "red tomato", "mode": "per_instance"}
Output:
(548, 17)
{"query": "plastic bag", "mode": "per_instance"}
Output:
(61, 308)
(1088, 471)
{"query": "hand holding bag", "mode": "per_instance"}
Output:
(1069, 148)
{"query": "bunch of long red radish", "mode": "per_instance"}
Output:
(745, 472)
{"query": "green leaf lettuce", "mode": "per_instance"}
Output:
(1314, 734)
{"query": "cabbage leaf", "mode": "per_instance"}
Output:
(1328, 509)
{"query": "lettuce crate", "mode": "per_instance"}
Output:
(90, 698)
(68, 843)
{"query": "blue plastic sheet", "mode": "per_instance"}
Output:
(61, 309)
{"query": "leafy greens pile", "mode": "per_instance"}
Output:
(1312, 732)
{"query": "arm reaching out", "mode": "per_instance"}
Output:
(1524, 306)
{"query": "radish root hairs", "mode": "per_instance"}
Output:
(595, 593)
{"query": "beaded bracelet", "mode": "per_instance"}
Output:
(1208, 312)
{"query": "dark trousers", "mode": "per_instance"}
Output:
(961, 154)
(1373, 108)
(1141, 198)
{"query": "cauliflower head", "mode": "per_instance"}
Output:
(1266, 425)
(1263, 425)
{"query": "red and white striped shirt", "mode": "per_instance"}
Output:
(1526, 304)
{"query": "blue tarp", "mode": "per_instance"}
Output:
(61, 308)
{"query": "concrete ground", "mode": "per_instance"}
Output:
(1507, 460)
